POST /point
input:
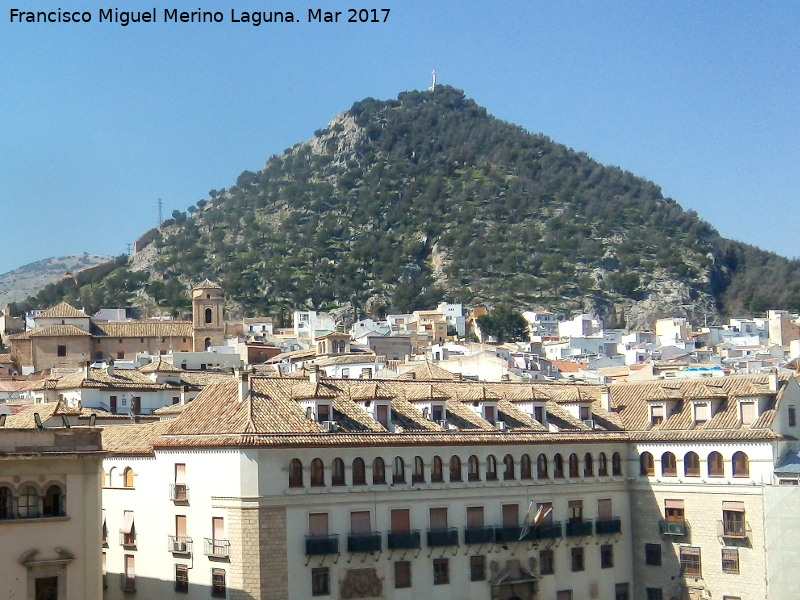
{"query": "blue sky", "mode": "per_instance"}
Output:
(99, 121)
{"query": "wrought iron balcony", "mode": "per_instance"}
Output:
(319, 545)
(579, 528)
(479, 535)
(545, 531)
(127, 583)
(364, 542)
(607, 526)
(438, 538)
(179, 544)
(127, 540)
(404, 541)
(216, 547)
(507, 534)
(672, 527)
(179, 492)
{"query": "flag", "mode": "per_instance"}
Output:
(528, 520)
(541, 514)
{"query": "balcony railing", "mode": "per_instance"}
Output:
(320, 545)
(179, 544)
(545, 531)
(127, 583)
(579, 528)
(364, 542)
(672, 527)
(404, 541)
(507, 534)
(179, 492)
(608, 526)
(216, 547)
(479, 535)
(438, 538)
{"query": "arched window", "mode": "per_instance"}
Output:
(337, 472)
(455, 468)
(602, 465)
(6, 503)
(418, 476)
(127, 477)
(491, 468)
(691, 464)
(740, 464)
(209, 316)
(509, 471)
(437, 475)
(716, 466)
(378, 471)
(541, 467)
(317, 472)
(616, 464)
(473, 469)
(558, 467)
(646, 464)
(588, 465)
(573, 466)
(525, 467)
(28, 507)
(399, 470)
(53, 505)
(113, 473)
(359, 472)
(295, 473)
(207, 344)
(669, 466)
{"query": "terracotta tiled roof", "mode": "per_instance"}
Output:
(428, 371)
(100, 379)
(249, 320)
(207, 284)
(349, 359)
(58, 331)
(160, 366)
(24, 419)
(62, 310)
(134, 438)
(140, 329)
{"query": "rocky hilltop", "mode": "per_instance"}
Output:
(399, 204)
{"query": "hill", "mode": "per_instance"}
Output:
(398, 204)
(20, 283)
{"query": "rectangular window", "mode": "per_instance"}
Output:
(510, 515)
(702, 412)
(792, 416)
(181, 578)
(606, 556)
(46, 588)
(733, 522)
(62, 351)
(655, 594)
(564, 595)
(129, 576)
(547, 562)
(622, 591)
(673, 511)
(128, 530)
(652, 555)
(730, 560)
(538, 414)
(575, 511)
(219, 543)
(402, 574)
(360, 522)
(656, 414)
(475, 517)
(604, 512)
(179, 494)
(577, 558)
(748, 412)
(690, 560)
(438, 519)
(181, 541)
(120, 355)
(477, 568)
(323, 412)
(346, 373)
(318, 524)
(441, 571)
(218, 587)
(320, 581)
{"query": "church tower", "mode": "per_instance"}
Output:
(208, 323)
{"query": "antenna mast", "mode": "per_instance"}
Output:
(160, 216)
(433, 83)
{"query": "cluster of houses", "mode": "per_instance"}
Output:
(209, 459)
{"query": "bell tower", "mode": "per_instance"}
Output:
(208, 323)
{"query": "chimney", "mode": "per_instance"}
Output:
(86, 369)
(772, 379)
(110, 368)
(313, 374)
(412, 375)
(184, 389)
(243, 379)
(605, 398)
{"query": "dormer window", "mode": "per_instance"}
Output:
(702, 412)
(319, 411)
(540, 414)
(657, 414)
(748, 412)
(438, 412)
(585, 412)
(490, 413)
(323, 412)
